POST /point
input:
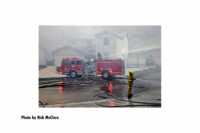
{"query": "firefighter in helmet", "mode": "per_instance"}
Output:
(130, 83)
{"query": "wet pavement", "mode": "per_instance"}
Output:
(65, 91)
(96, 92)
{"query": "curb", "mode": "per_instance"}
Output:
(53, 77)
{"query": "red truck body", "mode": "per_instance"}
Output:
(114, 67)
(75, 66)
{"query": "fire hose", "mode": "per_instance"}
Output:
(105, 95)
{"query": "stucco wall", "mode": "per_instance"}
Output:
(110, 49)
(115, 47)
(122, 49)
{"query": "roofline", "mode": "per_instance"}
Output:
(66, 46)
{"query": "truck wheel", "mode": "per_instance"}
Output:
(73, 74)
(105, 74)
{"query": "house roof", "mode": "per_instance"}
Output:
(67, 47)
(43, 50)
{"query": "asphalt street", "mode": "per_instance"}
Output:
(65, 91)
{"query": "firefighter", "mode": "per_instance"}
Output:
(130, 83)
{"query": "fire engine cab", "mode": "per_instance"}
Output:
(75, 67)
(72, 67)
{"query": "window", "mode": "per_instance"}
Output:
(73, 62)
(79, 62)
(106, 41)
(65, 62)
(105, 54)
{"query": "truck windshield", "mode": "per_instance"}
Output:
(65, 62)
(73, 62)
(79, 62)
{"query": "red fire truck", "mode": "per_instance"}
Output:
(75, 67)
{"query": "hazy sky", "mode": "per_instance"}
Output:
(53, 37)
